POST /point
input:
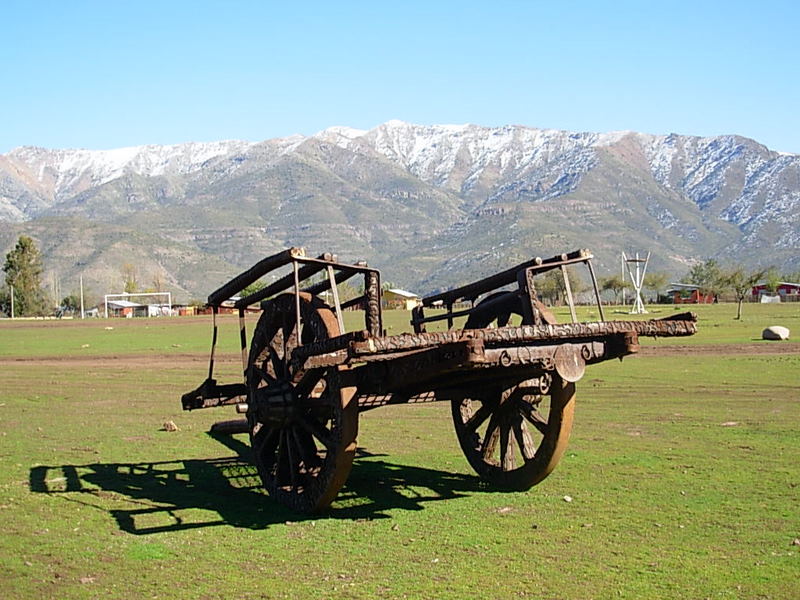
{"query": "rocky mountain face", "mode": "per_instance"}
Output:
(432, 206)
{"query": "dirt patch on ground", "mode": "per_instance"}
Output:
(126, 360)
(194, 359)
(722, 349)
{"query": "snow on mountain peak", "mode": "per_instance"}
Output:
(340, 131)
(63, 170)
(341, 136)
(432, 152)
(480, 163)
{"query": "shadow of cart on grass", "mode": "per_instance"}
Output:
(153, 497)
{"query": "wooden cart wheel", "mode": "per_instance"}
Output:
(303, 430)
(513, 435)
(495, 310)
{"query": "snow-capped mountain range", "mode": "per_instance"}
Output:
(460, 195)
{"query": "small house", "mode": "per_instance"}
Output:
(126, 308)
(686, 293)
(784, 292)
(397, 298)
(185, 310)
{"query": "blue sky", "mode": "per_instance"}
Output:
(110, 74)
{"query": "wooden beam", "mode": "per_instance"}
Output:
(473, 290)
(284, 283)
(241, 281)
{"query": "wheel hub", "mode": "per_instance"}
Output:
(275, 404)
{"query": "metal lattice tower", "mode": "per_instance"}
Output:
(637, 267)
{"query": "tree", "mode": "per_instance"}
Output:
(254, 287)
(348, 291)
(741, 282)
(577, 283)
(614, 284)
(656, 282)
(772, 279)
(707, 276)
(71, 303)
(23, 269)
(550, 286)
(129, 283)
(5, 301)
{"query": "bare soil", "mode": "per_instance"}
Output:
(143, 360)
(783, 347)
(128, 360)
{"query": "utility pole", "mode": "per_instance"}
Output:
(54, 289)
(57, 288)
(622, 273)
(12, 301)
(83, 315)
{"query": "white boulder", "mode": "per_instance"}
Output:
(776, 332)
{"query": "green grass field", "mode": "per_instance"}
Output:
(116, 337)
(682, 471)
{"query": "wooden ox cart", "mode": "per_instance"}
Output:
(511, 387)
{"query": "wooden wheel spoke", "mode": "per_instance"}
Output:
(261, 374)
(289, 335)
(265, 442)
(277, 362)
(282, 465)
(524, 439)
(308, 450)
(317, 429)
(307, 334)
(308, 382)
(479, 417)
(533, 417)
(490, 438)
(293, 458)
(507, 458)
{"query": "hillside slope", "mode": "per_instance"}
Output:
(430, 205)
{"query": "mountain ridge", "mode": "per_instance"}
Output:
(434, 205)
